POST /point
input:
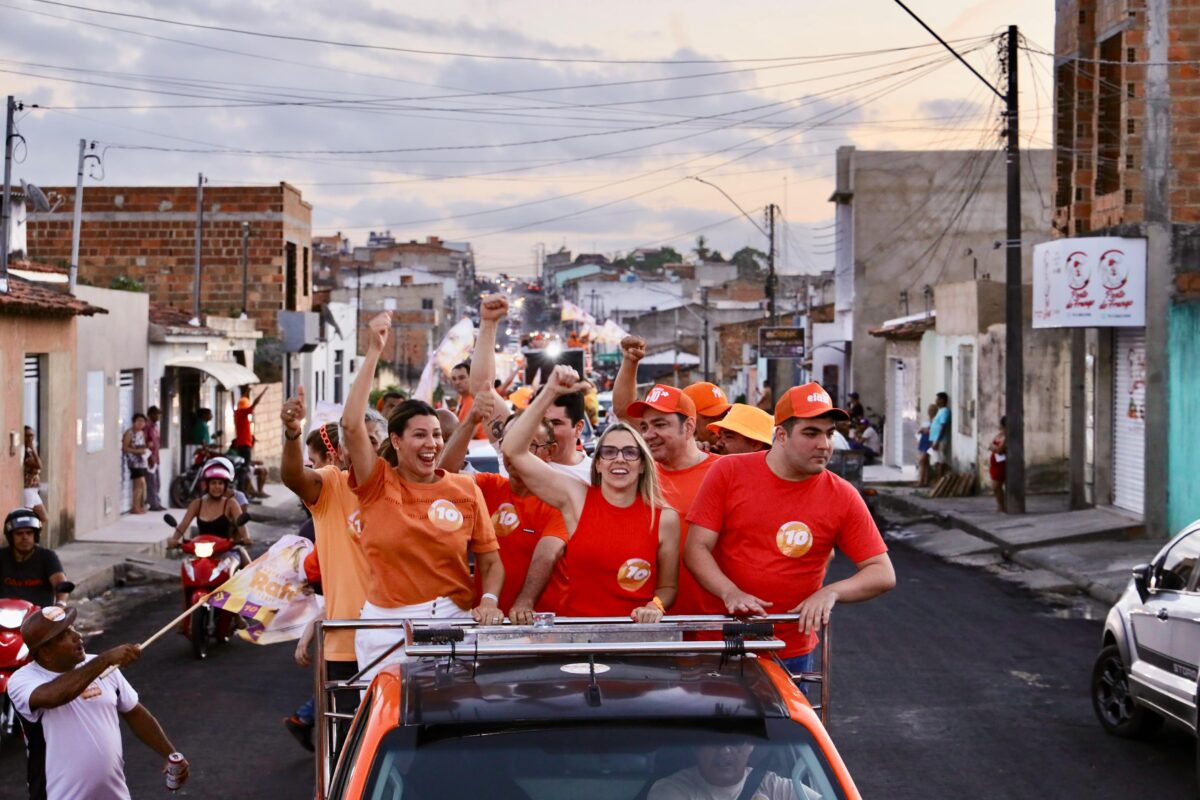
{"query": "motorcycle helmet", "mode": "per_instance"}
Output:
(22, 518)
(216, 469)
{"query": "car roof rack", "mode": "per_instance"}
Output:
(550, 635)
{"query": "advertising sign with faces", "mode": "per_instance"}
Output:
(1096, 282)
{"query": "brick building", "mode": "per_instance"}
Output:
(1127, 164)
(149, 234)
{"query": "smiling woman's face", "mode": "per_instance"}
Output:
(617, 473)
(417, 449)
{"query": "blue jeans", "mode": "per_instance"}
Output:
(798, 664)
(307, 713)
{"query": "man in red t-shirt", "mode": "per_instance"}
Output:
(243, 439)
(667, 420)
(764, 526)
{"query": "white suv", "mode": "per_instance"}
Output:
(1149, 660)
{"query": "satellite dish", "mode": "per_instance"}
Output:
(36, 196)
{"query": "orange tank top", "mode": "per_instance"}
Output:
(611, 559)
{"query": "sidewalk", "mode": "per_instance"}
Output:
(96, 561)
(1092, 550)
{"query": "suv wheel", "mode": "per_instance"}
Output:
(1115, 706)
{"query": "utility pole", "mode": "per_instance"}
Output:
(6, 208)
(772, 363)
(245, 265)
(704, 303)
(78, 218)
(199, 245)
(1014, 317)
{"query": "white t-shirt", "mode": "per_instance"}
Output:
(582, 470)
(839, 441)
(688, 784)
(870, 440)
(77, 745)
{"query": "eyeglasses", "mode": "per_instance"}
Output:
(610, 452)
(535, 447)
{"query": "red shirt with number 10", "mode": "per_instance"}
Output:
(775, 536)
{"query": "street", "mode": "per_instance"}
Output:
(956, 684)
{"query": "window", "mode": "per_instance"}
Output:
(1175, 572)
(1108, 117)
(289, 283)
(594, 761)
(427, 304)
(307, 280)
(339, 374)
(94, 420)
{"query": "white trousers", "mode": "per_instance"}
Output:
(370, 643)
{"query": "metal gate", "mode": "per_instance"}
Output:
(125, 400)
(1129, 419)
(31, 403)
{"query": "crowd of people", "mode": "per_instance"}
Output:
(689, 504)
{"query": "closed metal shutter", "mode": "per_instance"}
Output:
(1129, 419)
(125, 398)
(31, 400)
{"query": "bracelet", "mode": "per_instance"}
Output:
(287, 435)
(486, 595)
(659, 603)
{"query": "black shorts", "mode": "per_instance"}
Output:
(137, 472)
(244, 451)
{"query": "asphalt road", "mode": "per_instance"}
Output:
(956, 685)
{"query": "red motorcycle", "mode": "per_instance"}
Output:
(14, 654)
(213, 561)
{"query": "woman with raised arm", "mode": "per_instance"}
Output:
(623, 548)
(418, 520)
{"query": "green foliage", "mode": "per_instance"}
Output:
(124, 283)
(751, 263)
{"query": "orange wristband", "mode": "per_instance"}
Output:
(658, 603)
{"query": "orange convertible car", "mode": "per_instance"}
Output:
(583, 710)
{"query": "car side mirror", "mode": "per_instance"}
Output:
(1141, 580)
(170, 520)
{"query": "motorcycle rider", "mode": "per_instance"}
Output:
(29, 571)
(216, 513)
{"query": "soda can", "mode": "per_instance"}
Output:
(174, 770)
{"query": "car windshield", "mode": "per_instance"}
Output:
(599, 761)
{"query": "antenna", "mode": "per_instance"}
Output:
(36, 196)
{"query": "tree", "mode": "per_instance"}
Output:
(750, 263)
(701, 249)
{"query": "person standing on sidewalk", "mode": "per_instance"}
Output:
(71, 710)
(33, 478)
(243, 440)
(939, 437)
(136, 453)
(154, 442)
(764, 526)
(998, 463)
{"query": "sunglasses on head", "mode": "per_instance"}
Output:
(609, 452)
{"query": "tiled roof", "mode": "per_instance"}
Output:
(34, 266)
(176, 320)
(30, 299)
(912, 329)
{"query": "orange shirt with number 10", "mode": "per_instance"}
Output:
(520, 523)
(345, 572)
(416, 536)
(679, 489)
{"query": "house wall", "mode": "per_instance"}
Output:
(54, 337)
(914, 215)
(1183, 382)
(108, 343)
(148, 233)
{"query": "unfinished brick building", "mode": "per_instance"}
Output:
(148, 233)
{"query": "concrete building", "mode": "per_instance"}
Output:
(905, 221)
(1127, 131)
(38, 340)
(148, 234)
(419, 320)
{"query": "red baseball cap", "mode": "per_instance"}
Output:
(666, 399)
(708, 398)
(806, 402)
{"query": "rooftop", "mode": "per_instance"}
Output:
(31, 299)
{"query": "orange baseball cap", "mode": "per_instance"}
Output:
(708, 398)
(666, 399)
(806, 402)
(751, 422)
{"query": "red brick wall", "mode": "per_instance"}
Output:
(148, 233)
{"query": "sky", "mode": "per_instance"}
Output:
(515, 125)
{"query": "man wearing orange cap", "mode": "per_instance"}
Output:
(667, 420)
(744, 429)
(711, 405)
(764, 525)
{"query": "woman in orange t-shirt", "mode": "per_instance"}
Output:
(418, 521)
(623, 552)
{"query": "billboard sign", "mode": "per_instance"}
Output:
(780, 342)
(1090, 282)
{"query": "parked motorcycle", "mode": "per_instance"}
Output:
(184, 488)
(14, 654)
(213, 560)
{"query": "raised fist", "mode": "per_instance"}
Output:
(293, 411)
(380, 326)
(633, 348)
(493, 307)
